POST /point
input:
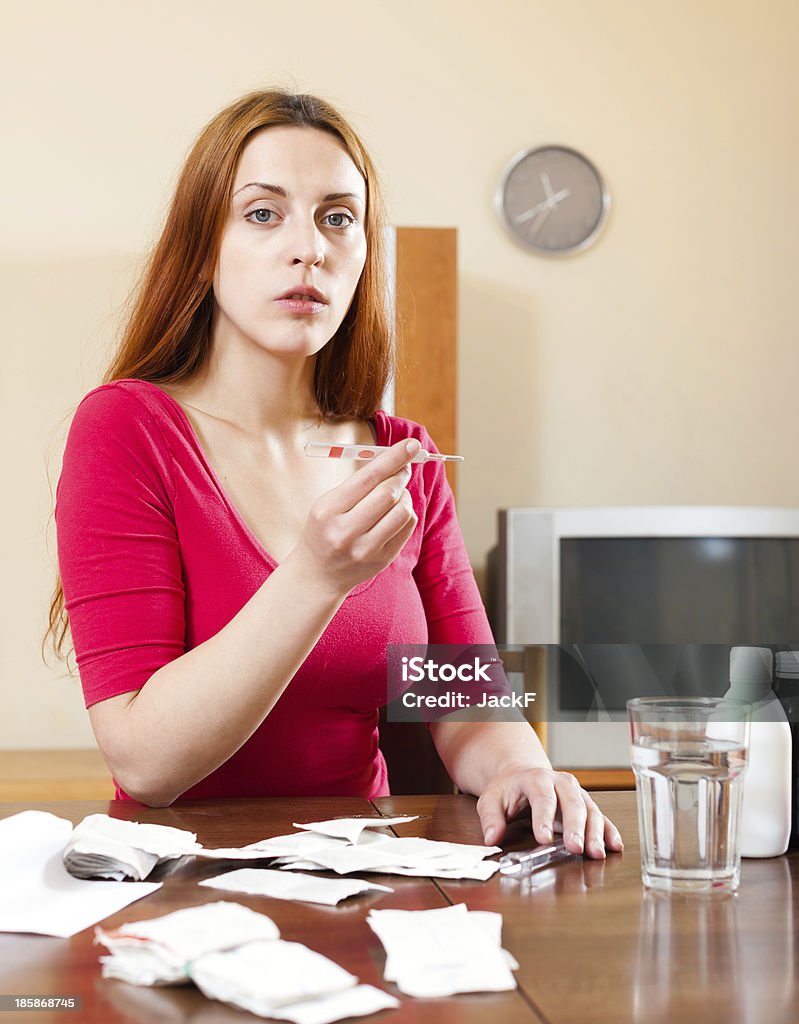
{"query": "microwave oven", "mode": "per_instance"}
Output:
(636, 601)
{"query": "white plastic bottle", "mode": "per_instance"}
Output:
(765, 825)
(787, 673)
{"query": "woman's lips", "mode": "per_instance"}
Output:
(301, 305)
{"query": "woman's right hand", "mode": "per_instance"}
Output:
(359, 527)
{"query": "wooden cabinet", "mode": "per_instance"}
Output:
(425, 301)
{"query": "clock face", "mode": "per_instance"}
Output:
(553, 200)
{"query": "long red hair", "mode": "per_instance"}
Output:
(167, 336)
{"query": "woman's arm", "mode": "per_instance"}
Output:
(501, 762)
(504, 764)
(196, 711)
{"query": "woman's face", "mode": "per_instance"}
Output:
(296, 222)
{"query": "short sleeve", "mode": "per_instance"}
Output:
(452, 603)
(118, 549)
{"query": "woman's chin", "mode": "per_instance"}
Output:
(292, 348)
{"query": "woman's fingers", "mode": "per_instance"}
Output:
(557, 803)
(594, 829)
(492, 814)
(613, 839)
(543, 808)
(392, 520)
(347, 495)
(573, 810)
(356, 529)
(371, 509)
(392, 547)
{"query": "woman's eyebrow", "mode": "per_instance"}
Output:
(279, 191)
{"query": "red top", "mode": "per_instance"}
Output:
(155, 559)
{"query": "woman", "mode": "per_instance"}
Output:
(230, 601)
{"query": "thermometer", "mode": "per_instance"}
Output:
(320, 450)
(524, 862)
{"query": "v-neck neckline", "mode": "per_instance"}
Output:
(376, 423)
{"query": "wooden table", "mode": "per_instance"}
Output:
(592, 944)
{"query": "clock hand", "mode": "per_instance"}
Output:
(546, 204)
(547, 184)
(543, 205)
(539, 223)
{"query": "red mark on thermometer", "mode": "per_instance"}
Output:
(320, 450)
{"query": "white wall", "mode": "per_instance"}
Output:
(658, 367)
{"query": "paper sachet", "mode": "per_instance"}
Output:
(288, 981)
(235, 955)
(261, 976)
(284, 885)
(158, 951)
(105, 847)
(351, 828)
(37, 894)
(297, 844)
(231, 853)
(352, 1002)
(392, 855)
(474, 873)
(433, 953)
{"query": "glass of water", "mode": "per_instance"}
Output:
(689, 757)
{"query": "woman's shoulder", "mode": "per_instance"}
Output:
(126, 412)
(128, 393)
(127, 405)
(391, 429)
(118, 434)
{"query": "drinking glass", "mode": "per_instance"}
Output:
(689, 757)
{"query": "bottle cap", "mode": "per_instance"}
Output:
(751, 667)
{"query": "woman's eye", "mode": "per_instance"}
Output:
(341, 222)
(261, 216)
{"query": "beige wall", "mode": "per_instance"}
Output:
(659, 367)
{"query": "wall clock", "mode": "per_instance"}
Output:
(553, 200)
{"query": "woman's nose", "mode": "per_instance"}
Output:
(306, 246)
(310, 257)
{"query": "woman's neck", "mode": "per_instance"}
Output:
(265, 396)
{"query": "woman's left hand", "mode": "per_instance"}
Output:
(556, 802)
